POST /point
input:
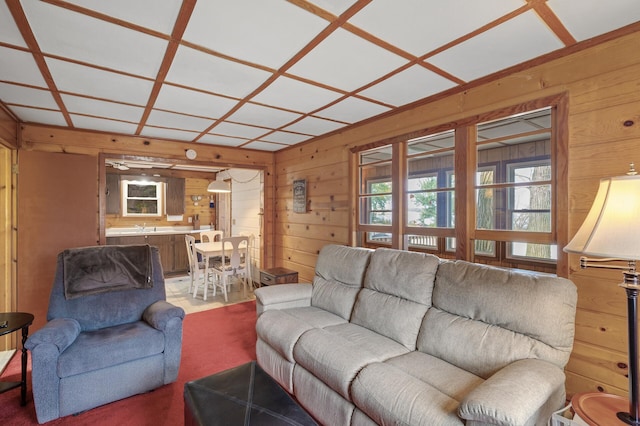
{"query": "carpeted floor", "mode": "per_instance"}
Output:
(213, 340)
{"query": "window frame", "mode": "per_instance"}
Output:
(465, 159)
(158, 199)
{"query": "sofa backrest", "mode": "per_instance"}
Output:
(397, 292)
(95, 311)
(484, 318)
(339, 275)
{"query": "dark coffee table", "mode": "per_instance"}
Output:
(243, 395)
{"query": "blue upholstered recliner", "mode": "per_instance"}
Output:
(110, 332)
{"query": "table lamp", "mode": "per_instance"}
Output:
(612, 231)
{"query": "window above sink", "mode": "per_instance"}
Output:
(142, 198)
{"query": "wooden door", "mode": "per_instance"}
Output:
(57, 209)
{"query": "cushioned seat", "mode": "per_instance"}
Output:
(87, 352)
(336, 354)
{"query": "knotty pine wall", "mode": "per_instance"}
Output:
(602, 83)
(193, 186)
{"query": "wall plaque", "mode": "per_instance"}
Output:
(300, 196)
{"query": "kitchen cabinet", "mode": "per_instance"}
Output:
(172, 249)
(175, 195)
(113, 193)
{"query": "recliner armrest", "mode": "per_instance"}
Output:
(159, 313)
(514, 394)
(60, 332)
(283, 296)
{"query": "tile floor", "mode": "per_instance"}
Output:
(177, 289)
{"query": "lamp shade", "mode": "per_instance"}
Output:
(612, 226)
(218, 186)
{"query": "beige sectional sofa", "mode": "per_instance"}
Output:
(403, 338)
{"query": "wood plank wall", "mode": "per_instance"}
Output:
(603, 86)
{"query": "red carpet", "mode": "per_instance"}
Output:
(212, 341)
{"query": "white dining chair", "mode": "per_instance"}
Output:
(231, 264)
(211, 236)
(249, 257)
(196, 268)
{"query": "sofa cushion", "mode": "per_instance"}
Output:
(390, 396)
(396, 282)
(281, 329)
(335, 354)
(339, 275)
(93, 350)
(447, 378)
(484, 318)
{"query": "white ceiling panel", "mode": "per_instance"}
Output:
(9, 32)
(346, 62)
(410, 85)
(158, 132)
(238, 130)
(285, 138)
(214, 25)
(352, 110)
(104, 59)
(153, 14)
(12, 94)
(88, 106)
(262, 116)
(178, 121)
(337, 7)
(222, 140)
(314, 126)
(517, 40)
(295, 95)
(265, 146)
(79, 79)
(196, 69)
(73, 35)
(19, 67)
(42, 116)
(187, 101)
(101, 124)
(419, 26)
(588, 18)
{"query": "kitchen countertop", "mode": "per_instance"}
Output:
(153, 230)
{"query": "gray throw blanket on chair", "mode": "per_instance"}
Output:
(100, 269)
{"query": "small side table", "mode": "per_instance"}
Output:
(17, 321)
(278, 276)
(599, 409)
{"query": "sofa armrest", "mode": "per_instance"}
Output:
(514, 394)
(159, 313)
(283, 296)
(60, 332)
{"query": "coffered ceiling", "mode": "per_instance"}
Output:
(267, 74)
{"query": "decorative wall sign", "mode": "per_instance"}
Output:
(300, 196)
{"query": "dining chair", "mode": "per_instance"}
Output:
(211, 236)
(195, 267)
(249, 257)
(231, 264)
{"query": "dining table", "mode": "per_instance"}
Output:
(212, 249)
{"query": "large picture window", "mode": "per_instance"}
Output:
(424, 194)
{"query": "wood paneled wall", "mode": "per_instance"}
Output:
(603, 86)
(193, 186)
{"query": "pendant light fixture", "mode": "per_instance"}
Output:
(219, 185)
